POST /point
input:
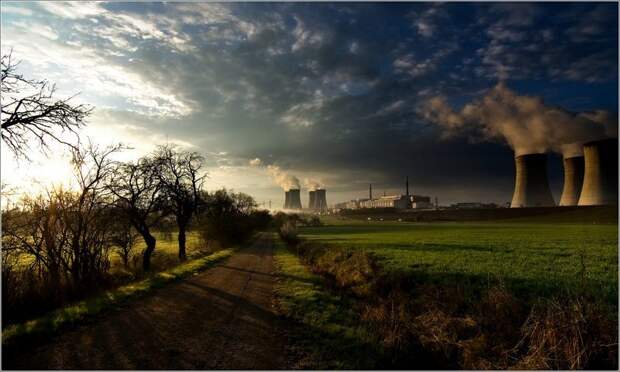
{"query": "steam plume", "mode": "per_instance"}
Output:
(312, 184)
(285, 180)
(526, 123)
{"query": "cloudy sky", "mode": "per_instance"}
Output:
(327, 92)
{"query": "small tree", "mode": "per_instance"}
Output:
(30, 111)
(123, 238)
(181, 185)
(136, 187)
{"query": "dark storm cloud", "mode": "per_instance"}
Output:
(333, 88)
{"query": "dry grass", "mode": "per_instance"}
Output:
(454, 326)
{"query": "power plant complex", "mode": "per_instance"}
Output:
(591, 179)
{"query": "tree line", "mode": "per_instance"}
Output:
(57, 244)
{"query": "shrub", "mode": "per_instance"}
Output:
(288, 233)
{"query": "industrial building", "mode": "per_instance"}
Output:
(405, 201)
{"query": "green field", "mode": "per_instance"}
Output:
(533, 258)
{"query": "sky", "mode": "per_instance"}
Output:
(327, 93)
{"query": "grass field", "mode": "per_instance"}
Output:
(327, 329)
(531, 258)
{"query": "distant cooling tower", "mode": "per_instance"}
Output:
(573, 179)
(320, 201)
(287, 199)
(531, 184)
(294, 199)
(600, 181)
(312, 199)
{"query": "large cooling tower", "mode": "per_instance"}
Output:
(312, 199)
(287, 199)
(320, 202)
(531, 184)
(294, 199)
(573, 179)
(600, 181)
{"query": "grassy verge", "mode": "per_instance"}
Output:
(327, 332)
(86, 309)
(460, 324)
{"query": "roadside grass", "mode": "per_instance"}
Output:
(327, 330)
(459, 324)
(80, 312)
(532, 259)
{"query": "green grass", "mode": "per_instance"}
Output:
(534, 258)
(327, 327)
(83, 310)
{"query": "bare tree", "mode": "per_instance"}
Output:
(67, 232)
(181, 185)
(137, 189)
(30, 111)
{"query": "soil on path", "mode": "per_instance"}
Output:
(222, 318)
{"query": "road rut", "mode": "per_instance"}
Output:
(222, 318)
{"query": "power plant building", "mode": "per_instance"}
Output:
(390, 201)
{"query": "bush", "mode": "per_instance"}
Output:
(288, 233)
(230, 218)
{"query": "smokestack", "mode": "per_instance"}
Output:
(320, 200)
(600, 182)
(287, 200)
(370, 191)
(531, 183)
(294, 199)
(407, 185)
(573, 179)
(312, 202)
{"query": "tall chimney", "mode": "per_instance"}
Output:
(407, 185)
(573, 179)
(320, 200)
(370, 191)
(294, 199)
(312, 199)
(600, 181)
(531, 183)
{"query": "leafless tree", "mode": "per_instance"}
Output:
(181, 184)
(137, 190)
(67, 232)
(30, 111)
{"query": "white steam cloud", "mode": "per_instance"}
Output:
(285, 180)
(312, 184)
(526, 123)
(282, 178)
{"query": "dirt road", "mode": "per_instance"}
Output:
(222, 318)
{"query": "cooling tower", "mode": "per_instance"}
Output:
(531, 184)
(287, 199)
(312, 199)
(573, 179)
(294, 199)
(600, 181)
(320, 202)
